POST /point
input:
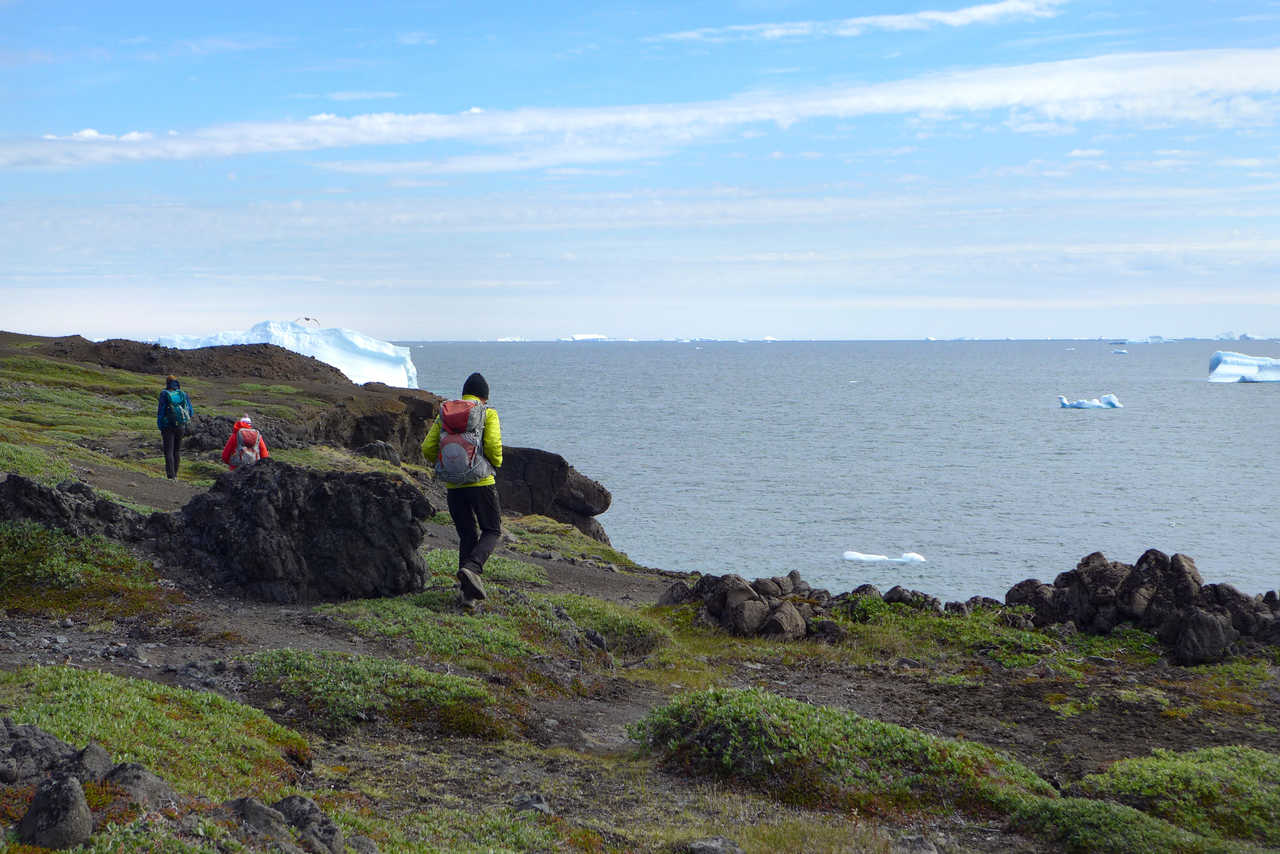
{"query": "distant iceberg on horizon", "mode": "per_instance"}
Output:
(362, 358)
(1107, 401)
(907, 557)
(1228, 366)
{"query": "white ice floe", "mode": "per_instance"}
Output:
(1120, 352)
(1227, 366)
(362, 358)
(1107, 401)
(907, 557)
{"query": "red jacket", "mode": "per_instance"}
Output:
(230, 447)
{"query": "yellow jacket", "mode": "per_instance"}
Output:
(492, 444)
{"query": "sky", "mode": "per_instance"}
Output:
(763, 168)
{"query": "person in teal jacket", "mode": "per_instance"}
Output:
(172, 414)
(466, 459)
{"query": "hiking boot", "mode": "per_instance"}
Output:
(471, 586)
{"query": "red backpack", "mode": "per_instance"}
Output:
(246, 451)
(462, 458)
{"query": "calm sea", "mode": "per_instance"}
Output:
(759, 458)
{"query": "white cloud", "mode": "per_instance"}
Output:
(1242, 162)
(415, 39)
(1086, 152)
(1222, 88)
(985, 13)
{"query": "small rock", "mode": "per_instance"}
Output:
(58, 817)
(532, 801)
(714, 845)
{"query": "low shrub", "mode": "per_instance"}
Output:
(1227, 792)
(820, 756)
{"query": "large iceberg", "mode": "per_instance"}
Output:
(1227, 366)
(1107, 401)
(361, 358)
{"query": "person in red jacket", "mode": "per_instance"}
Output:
(245, 445)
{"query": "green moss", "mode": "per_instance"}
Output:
(1083, 826)
(269, 389)
(431, 621)
(46, 572)
(436, 830)
(627, 632)
(1227, 792)
(30, 461)
(443, 564)
(817, 755)
(341, 690)
(199, 742)
(538, 533)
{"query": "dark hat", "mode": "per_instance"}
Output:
(476, 385)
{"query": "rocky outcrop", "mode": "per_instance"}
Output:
(782, 607)
(210, 433)
(543, 483)
(400, 417)
(72, 506)
(59, 815)
(287, 534)
(271, 530)
(1198, 622)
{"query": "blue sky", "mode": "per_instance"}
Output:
(422, 170)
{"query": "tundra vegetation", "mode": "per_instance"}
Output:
(412, 721)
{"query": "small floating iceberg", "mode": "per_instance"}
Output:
(1119, 352)
(1227, 366)
(1107, 401)
(907, 557)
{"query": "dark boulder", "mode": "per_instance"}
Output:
(143, 787)
(1203, 637)
(288, 534)
(28, 753)
(72, 506)
(58, 816)
(542, 483)
(316, 830)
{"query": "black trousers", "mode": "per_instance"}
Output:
(171, 438)
(471, 506)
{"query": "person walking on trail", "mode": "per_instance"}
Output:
(465, 442)
(173, 414)
(245, 446)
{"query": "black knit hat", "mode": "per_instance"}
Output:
(476, 385)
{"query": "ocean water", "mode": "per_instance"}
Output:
(763, 457)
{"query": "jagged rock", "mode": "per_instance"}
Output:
(89, 765)
(912, 598)
(58, 817)
(1203, 637)
(262, 823)
(1163, 594)
(767, 587)
(866, 590)
(747, 617)
(144, 787)
(28, 753)
(400, 417)
(72, 506)
(677, 594)
(316, 829)
(531, 801)
(539, 482)
(784, 622)
(287, 534)
(380, 450)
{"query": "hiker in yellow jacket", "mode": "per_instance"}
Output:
(465, 443)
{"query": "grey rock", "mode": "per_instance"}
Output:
(1203, 637)
(380, 450)
(784, 622)
(144, 787)
(317, 831)
(531, 801)
(58, 817)
(713, 845)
